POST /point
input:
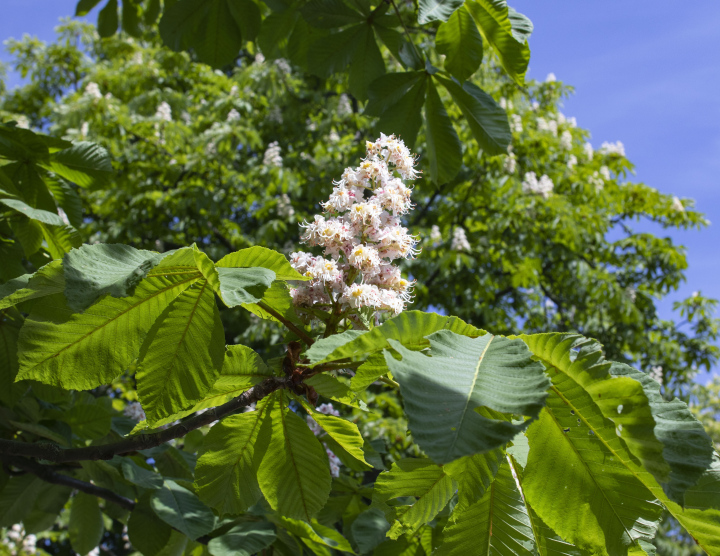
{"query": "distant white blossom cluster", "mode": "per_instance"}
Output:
(361, 237)
(677, 205)
(460, 241)
(17, 542)
(134, 411)
(656, 373)
(164, 112)
(327, 409)
(516, 125)
(616, 148)
(284, 206)
(544, 186)
(233, 116)
(92, 90)
(272, 158)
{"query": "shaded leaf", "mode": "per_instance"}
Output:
(443, 145)
(85, 528)
(461, 43)
(244, 539)
(181, 509)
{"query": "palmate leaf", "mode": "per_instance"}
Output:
(84, 350)
(410, 328)
(294, 474)
(447, 396)
(576, 461)
(507, 35)
(226, 472)
(498, 523)
(415, 477)
(182, 354)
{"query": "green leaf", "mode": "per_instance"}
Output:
(404, 119)
(244, 285)
(487, 120)
(294, 474)
(244, 539)
(507, 36)
(247, 17)
(9, 392)
(89, 421)
(86, 164)
(226, 472)
(277, 297)
(367, 373)
(461, 43)
(498, 523)
(181, 509)
(85, 528)
(147, 532)
(367, 64)
(18, 497)
(140, 476)
(414, 477)
(261, 257)
(131, 18)
(334, 389)
(68, 200)
(473, 475)
(436, 10)
(344, 432)
(330, 14)
(409, 328)
(84, 6)
(29, 233)
(61, 239)
(48, 280)
(82, 351)
(182, 354)
(33, 213)
(369, 529)
(443, 145)
(152, 12)
(443, 394)
(108, 20)
(95, 270)
(332, 53)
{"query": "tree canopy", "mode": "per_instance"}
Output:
(187, 183)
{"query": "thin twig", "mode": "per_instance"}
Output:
(289, 325)
(53, 452)
(397, 12)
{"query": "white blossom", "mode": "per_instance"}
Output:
(550, 78)
(283, 65)
(435, 235)
(544, 186)
(459, 240)
(164, 112)
(566, 140)
(572, 161)
(137, 58)
(84, 129)
(92, 90)
(596, 181)
(284, 206)
(361, 236)
(677, 205)
(588, 151)
(656, 373)
(516, 125)
(233, 115)
(616, 148)
(272, 158)
(275, 115)
(22, 122)
(334, 463)
(510, 163)
(605, 172)
(134, 411)
(259, 58)
(344, 108)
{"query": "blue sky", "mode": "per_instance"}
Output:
(645, 72)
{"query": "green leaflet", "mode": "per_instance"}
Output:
(86, 164)
(147, 532)
(261, 257)
(461, 43)
(182, 354)
(9, 392)
(92, 271)
(332, 53)
(508, 35)
(82, 351)
(342, 431)
(486, 119)
(85, 528)
(108, 21)
(444, 394)
(277, 298)
(17, 498)
(369, 529)
(372, 369)
(60, 239)
(140, 476)
(294, 474)
(498, 523)
(444, 148)
(89, 421)
(473, 475)
(244, 539)
(226, 472)
(434, 10)
(612, 508)
(367, 63)
(409, 328)
(420, 478)
(335, 389)
(181, 509)
(43, 216)
(397, 99)
(244, 285)
(329, 14)
(316, 534)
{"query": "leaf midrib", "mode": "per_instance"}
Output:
(472, 388)
(292, 458)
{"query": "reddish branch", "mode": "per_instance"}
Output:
(54, 453)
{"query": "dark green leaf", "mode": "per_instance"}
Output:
(181, 509)
(84, 6)
(330, 14)
(108, 19)
(131, 18)
(443, 145)
(85, 528)
(332, 53)
(369, 529)
(244, 539)
(461, 43)
(139, 475)
(147, 532)
(434, 10)
(367, 64)
(18, 497)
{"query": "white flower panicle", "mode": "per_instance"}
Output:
(550, 78)
(588, 148)
(233, 116)
(510, 163)
(435, 235)
(572, 161)
(656, 373)
(544, 186)
(284, 206)
(362, 236)
(566, 140)
(164, 112)
(272, 158)
(134, 411)
(460, 241)
(677, 205)
(613, 148)
(516, 125)
(92, 90)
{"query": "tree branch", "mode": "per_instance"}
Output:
(46, 473)
(56, 454)
(289, 325)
